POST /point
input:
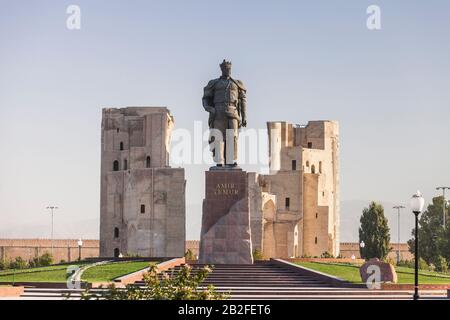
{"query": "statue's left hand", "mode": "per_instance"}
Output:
(244, 123)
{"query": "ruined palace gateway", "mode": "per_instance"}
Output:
(142, 197)
(295, 208)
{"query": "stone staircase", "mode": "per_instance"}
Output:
(256, 275)
(261, 281)
(268, 281)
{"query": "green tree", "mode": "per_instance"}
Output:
(374, 232)
(444, 244)
(434, 241)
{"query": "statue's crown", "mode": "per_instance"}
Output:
(225, 63)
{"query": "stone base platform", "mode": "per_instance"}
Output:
(226, 235)
(11, 291)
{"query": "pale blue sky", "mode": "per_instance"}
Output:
(300, 61)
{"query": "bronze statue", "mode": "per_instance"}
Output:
(225, 100)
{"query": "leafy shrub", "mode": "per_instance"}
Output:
(326, 254)
(18, 263)
(423, 265)
(257, 255)
(46, 259)
(390, 261)
(189, 255)
(178, 286)
(3, 265)
(43, 261)
(406, 263)
(441, 264)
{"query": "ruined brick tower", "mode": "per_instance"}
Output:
(295, 208)
(142, 209)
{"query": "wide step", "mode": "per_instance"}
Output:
(260, 281)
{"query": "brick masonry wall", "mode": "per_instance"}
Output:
(347, 249)
(352, 248)
(67, 249)
(63, 249)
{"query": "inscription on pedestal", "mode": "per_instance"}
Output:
(226, 189)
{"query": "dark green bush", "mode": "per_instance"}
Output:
(18, 263)
(43, 261)
(257, 255)
(326, 254)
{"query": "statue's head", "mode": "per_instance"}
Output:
(225, 66)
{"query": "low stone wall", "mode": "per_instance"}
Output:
(138, 275)
(329, 279)
(124, 259)
(347, 249)
(404, 286)
(15, 291)
(327, 260)
(63, 249)
(46, 285)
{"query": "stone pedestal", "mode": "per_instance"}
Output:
(225, 236)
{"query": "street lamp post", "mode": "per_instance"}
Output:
(417, 203)
(398, 231)
(443, 204)
(361, 245)
(80, 244)
(52, 209)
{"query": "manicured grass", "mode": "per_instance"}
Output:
(58, 273)
(42, 274)
(406, 275)
(343, 271)
(48, 268)
(108, 272)
(351, 273)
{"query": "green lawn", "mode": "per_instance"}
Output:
(351, 273)
(9, 271)
(110, 271)
(42, 274)
(99, 273)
